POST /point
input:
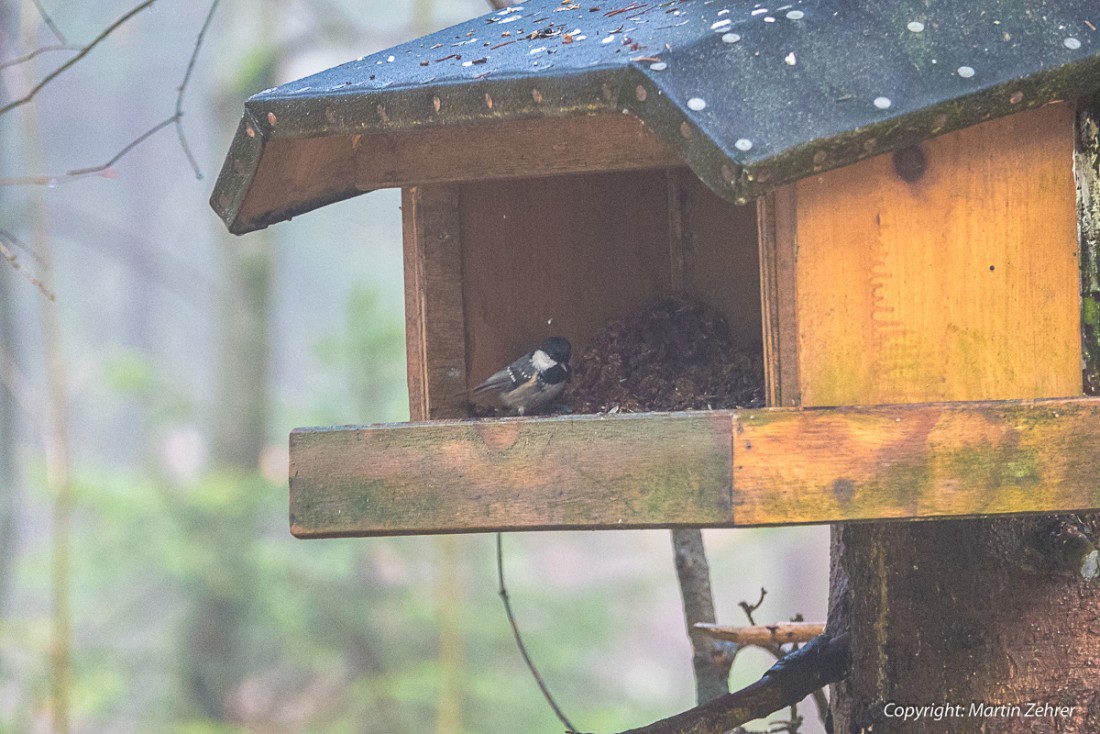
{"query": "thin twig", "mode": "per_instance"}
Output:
(503, 591)
(776, 650)
(52, 181)
(750, 608)
(41, 50)
(93, 170)
(49, 22)
(183, 88)
(84, 51)
(176, 119)
(17, 244)
(13, 261)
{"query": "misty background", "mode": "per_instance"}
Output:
(148, 580)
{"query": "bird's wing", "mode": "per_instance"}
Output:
(497, 383)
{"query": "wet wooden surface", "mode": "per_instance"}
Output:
(709, 468)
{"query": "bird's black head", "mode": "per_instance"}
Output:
(558, 349)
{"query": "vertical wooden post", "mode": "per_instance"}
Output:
(778, 295)
(958, 283)
(435, 322)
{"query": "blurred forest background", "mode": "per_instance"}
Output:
(148, 581)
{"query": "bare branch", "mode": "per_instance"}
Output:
(104, 169)
(750, 608)
(44, 49)
(822, 661)
(777, 650)
(503, 591)
(18, 244)
(49, 22)
(84, 51)
(51, 180)
(766, 635)
(183, 88)
(13, 261)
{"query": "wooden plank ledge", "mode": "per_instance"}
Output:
(774, 466)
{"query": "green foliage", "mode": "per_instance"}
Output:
(332, 636)
(346, 630)
(130, 373)
(364, 364)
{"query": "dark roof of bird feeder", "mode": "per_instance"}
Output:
(751, 95)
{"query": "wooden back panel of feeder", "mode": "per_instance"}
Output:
(963, 285)
(494, 267)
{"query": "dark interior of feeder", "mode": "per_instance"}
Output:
(653, 278)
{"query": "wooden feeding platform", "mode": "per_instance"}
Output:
(775, 466)
(894, 202)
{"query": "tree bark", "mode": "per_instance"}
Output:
(711, 658)
(961, 613)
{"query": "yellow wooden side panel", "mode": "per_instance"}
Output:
(962, 285)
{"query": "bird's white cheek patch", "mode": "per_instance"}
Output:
(542, 360)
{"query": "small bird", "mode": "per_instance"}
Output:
(532, 382)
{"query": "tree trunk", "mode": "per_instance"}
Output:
(711, 659)
(215, 659)
(8, 474)
(240, 420)
(978, 616)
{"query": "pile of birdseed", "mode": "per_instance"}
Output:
(673, 354)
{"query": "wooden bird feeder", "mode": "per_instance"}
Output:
(897, 202)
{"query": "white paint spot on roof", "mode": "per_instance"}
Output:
(743, 144)
(697, 104)
(1072, 43)
(883, 103)
(731, 38)
(965, 71)
(658, 66)
(795, 15)
(915, 26)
